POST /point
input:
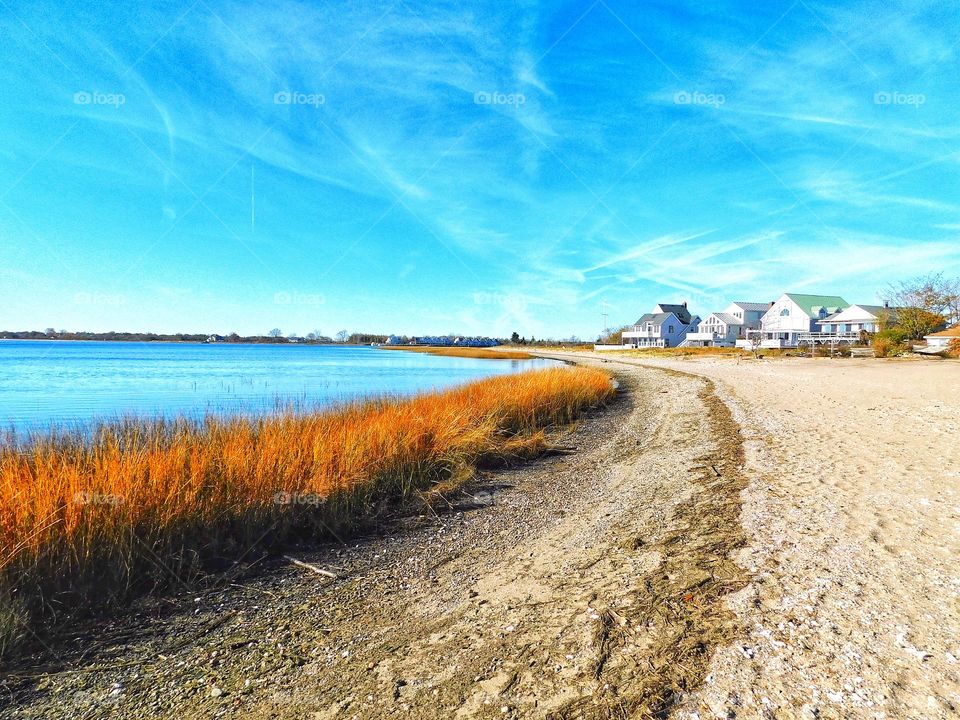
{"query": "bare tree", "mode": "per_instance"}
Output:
(933, 293)
(343, 335)
(275, 333)
(952, 301)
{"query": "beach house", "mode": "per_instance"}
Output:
(725, 328)
(666, 326)
(793, 317)
(858, 318)
(942, 339)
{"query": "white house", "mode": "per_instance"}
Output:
(858, 318)
(795, 315)
(666, 326)
(724, 329)
(942, 339)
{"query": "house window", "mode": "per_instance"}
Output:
(785, 312)
(670, 329)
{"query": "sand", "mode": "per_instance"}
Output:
(853, 515)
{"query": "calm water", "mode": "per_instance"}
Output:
(44, 383)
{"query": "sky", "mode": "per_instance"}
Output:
(478, 168)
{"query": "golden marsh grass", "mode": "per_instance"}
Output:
(87, 519)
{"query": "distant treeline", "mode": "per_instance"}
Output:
(146, 337)
(274, 336)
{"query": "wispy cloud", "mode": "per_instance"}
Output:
(412, 158)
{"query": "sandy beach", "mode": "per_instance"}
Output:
(853, 515)
(752, 539)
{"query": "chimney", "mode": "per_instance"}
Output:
(684, 303)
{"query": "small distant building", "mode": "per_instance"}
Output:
(393, 340)
(724, 329)
(477, 342)
(792, 318)
(666, 326)
(451, 341)
(943, 338)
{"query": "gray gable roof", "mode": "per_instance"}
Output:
(656, 318)
(682, 313)
(877, 309)
(752, 306)
(728, 318)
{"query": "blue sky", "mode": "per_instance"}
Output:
(433, 167)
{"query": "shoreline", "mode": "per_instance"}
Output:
(534, 590)
(564, 544)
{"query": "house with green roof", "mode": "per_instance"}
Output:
(796, 314)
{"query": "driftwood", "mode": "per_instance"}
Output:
(308, 566)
